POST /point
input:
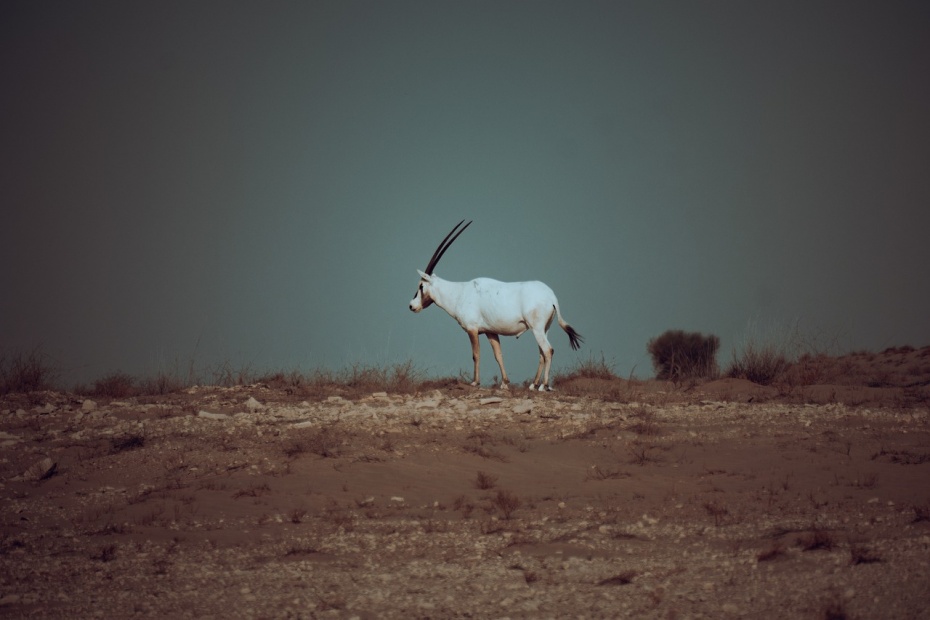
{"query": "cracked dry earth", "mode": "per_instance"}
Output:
(250, 503)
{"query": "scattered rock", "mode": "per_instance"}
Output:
(524, 407)
(491, 400)
(41, 470)
(253, 405)
(46, 409)
(6, 439)
(88, 405)
(211, 416)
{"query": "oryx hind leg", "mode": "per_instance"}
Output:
(545, 361)
(539, 370)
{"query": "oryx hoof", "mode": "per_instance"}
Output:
(475, 384)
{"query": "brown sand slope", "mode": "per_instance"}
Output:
(247, 502)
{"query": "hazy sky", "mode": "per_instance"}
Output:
(257, 182)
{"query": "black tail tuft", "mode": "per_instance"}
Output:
(574, 337)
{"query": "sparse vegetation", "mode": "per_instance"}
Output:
(127, 442)
(484, 481)
(568, 486)
(26, 372)
(678, 355)
(774, 552)
(620, 579)
(761, 364)
(115, 385)
(817, 539)
(507, 503)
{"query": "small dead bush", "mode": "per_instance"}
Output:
(859, 554)
(761, 364)
(161, 384)
(26, 372)
(678, 355)
(106, 553)
(817, 540)
(717, 510)
(463, 504)
(485, 481)
(115, 385)
(127, 442)
(774, 552)
(507, 503)
(621, 579)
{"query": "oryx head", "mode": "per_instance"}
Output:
(422, 298)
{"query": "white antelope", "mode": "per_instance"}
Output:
(493, 308)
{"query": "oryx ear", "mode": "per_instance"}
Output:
(424, 276)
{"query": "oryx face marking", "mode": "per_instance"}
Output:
(421, 299)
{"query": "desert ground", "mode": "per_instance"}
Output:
(608, 498)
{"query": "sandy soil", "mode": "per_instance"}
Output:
(648, 501)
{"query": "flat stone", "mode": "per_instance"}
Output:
(491, 400)
(212, 416)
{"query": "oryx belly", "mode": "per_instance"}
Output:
(507, 308)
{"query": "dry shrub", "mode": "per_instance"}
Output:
(774, 552)
(507, 503)
(115, 385)
(26, 372)
(817, 539)
(485, 481)
(761, 364)
(621, 579)
(678, 355)
(127, 442)
(162, 383)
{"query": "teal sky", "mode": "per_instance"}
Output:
(256, 182)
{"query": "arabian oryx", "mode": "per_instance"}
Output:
(486, 306)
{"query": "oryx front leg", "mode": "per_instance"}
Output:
(495, 341)
(475, 356)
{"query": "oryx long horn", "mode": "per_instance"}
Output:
(445, 246)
